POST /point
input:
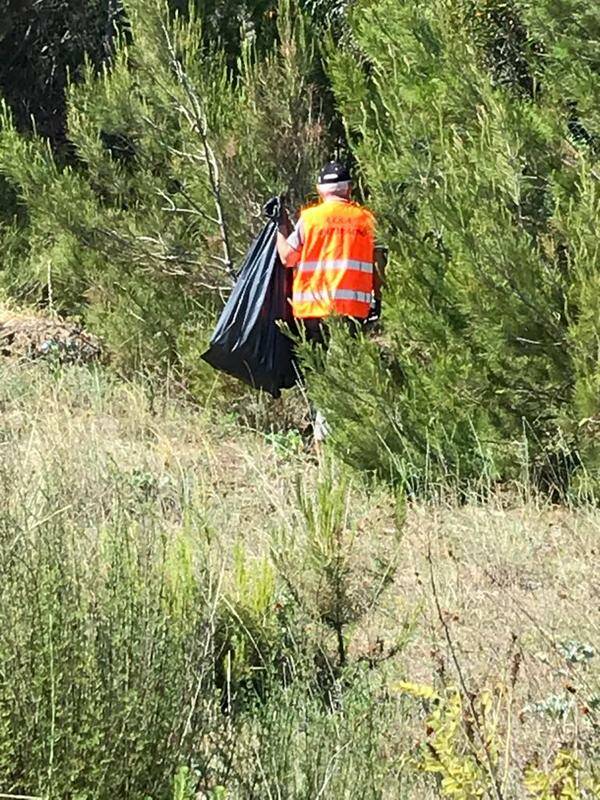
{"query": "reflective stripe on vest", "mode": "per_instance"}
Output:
(336, 294)
(342, 263)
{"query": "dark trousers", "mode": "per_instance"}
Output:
(316, 329)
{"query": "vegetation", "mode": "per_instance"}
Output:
(193, 605)
(474, 130)
(141, 235)
(475, 135)
(173, 613)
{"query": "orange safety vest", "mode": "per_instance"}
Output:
(334, 272)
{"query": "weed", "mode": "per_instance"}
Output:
(286, 444)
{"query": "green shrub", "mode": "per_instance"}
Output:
(174, 155)
(477, 152)
(332, 574)
(142, 653)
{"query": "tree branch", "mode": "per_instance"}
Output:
(197, 120)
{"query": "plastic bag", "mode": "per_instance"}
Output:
(247, 342)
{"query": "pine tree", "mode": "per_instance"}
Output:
(174, 157)
(467, 121)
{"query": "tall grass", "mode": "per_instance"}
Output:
(192, 610)
(123, 659)
(140, 656)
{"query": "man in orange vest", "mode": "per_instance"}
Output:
(337, 272)
(332, 250)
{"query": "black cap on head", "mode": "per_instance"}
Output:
(334, 172)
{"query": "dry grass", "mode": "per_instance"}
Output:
(515, 581)
(515, 586)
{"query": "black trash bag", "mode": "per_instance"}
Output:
(247, 342)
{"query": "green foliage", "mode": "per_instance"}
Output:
(567, 779)
(142, 653)
(475, 129)
(97, 655)
(174, 157)
(286, 444)
(321, 556)
(252, 637)
(147, 653)
(450, 751)
(112, 667)
(484, 184)
(390, 417)
(463, 746)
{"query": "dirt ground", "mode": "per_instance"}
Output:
(34, 336)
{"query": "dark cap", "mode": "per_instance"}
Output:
(334, 172)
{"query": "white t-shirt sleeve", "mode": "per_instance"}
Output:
(296, 239)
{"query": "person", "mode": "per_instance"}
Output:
(338, 270)
(332, 250)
